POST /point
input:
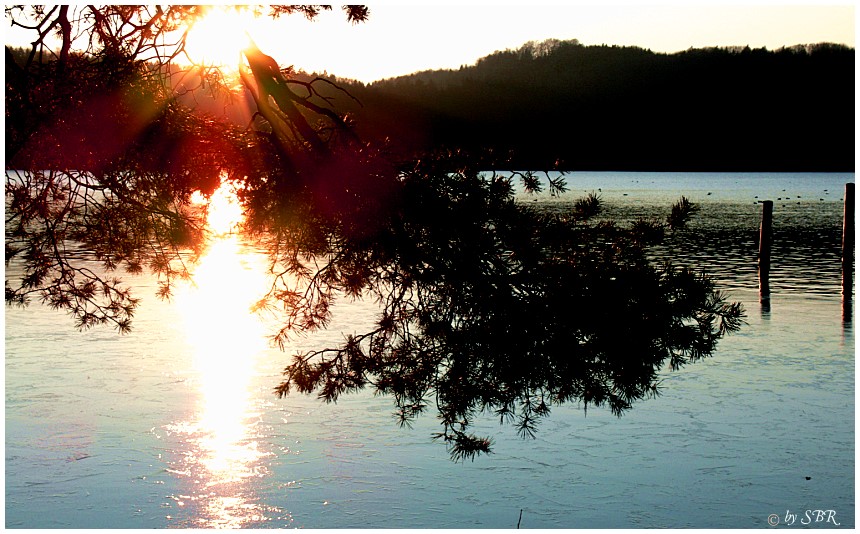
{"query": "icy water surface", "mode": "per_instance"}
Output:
(159, 429)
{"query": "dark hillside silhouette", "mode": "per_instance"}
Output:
(626, 108)
(609, 107)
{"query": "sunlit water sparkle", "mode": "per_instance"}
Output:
(176, 425)
(223, 452)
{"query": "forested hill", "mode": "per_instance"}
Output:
(609, 107)
(626, 108)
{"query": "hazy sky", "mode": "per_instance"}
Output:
(402, 38)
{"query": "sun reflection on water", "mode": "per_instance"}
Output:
(223, 453)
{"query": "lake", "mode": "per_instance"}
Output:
(175, 425)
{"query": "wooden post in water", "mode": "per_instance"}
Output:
(848, 252)
(765, 241)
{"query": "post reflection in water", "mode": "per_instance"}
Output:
(222, 454)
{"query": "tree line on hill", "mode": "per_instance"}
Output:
(562, 104)
(627, 108)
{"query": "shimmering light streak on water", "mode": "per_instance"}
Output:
(226, 340)
(175, 424)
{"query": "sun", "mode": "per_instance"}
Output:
(218, 38)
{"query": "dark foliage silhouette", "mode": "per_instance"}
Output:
(488, 306)
(485, 304)
(682, 212)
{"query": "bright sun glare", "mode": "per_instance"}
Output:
(224, 213)
(225, 339)
(220, 36)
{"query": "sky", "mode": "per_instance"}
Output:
(402, 38)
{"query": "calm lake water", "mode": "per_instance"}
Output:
(176, 425)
